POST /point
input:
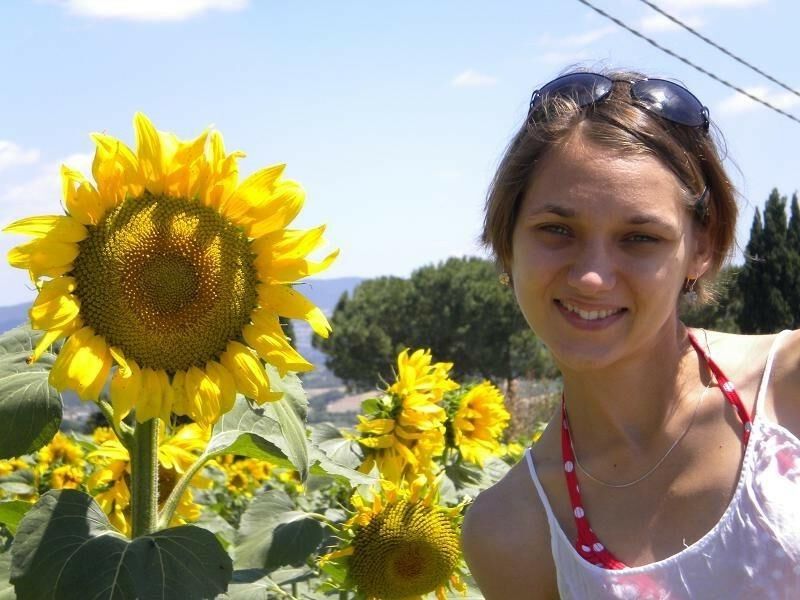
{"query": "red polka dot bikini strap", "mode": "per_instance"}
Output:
(587, 543)
(728, 389)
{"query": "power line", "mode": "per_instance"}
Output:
(718, 47)
(690, 63)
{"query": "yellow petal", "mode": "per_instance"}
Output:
(44, 257)
(148, 151)
(82, 365)
(83, 202)
(55, 307)
(126, 385)
(274, 349)
(248, 373)
(115, 169)
(289, 271)
(202, 395)
(226, 384)
(288, 244)
(383, 441)
(51, 336)
(377, 426)
(278, 211)
(290, 303)
(60, 228)
(151, 397)
(255, 191)
(180, 404)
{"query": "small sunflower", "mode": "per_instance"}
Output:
(479, 421)
(169, 269)
(399, 545)
(404, 430)
(110, 482)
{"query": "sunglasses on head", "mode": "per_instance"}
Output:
(664, 98)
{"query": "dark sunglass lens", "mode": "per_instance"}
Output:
(583, 88)
(670, 100)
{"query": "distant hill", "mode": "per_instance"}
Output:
(325, 293)
(11, 316)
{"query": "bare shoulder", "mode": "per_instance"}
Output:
(786, 382)
(506, 540)
(747, 356)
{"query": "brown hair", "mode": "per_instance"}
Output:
(619, 123)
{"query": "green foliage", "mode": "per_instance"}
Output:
(273, 533)
(456, 308)
(768, 282)
(30, 410)
(11, 513)
(722, 314)
(87, 558)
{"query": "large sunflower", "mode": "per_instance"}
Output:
(171, 270)
(400, 544)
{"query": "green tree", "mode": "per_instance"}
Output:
(723, 313)
(792, 291)
(765, 280)
(457, 308)
(369, 329)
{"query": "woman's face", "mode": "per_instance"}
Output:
(601, 247)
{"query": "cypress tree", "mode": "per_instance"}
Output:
(792, 292)
(749, 279)
(766, 281)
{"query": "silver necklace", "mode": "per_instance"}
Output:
(661, 460)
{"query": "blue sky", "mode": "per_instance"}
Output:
(392, 115)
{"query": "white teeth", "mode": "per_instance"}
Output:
(590, 315)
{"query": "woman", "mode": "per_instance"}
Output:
(660, 477)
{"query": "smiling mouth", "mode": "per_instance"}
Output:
(590, 315)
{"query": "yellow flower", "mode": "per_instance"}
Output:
(66, 477)
(110, 483)
(400, 545)
(62, 450)
(407, 433)
(172, 274)
(102, 434)
(479, 422)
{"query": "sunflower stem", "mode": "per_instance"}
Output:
(144, 478)
(124, 432)
(171, 505)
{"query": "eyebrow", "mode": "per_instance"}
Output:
(562, 211)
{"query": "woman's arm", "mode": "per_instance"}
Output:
(506, 542)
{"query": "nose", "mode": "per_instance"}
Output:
(592, 271)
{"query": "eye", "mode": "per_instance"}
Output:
(554, 229)
(641, 237)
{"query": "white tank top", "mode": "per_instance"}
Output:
(752, 552)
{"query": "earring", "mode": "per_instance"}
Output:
(504, 279)
(688, 291)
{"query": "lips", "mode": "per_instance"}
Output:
(590, 315)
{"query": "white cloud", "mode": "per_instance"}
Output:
(150, 10)
(40, 195)
(575, 40)
(697, 4)
(739, 103)
(471, 78)
(11, 155)
(657, 23)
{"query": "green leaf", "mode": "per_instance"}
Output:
(11, 513)
(250, 432)
(272, 533)
(291, 412)
(86, 557)
(30, 410)
(211, 521)
(255, 584)
(6, 588)
(341, 450)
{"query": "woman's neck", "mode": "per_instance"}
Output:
(626, 408)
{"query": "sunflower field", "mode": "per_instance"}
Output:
(161, 287)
